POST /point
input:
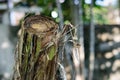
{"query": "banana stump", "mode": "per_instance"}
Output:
(36, 53)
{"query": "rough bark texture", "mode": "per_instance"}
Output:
(36, 54)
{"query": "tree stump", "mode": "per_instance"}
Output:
(36, 53)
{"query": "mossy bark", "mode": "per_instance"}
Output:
(36, 53)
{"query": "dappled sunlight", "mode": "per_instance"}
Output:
(116, 30)
(116, 34)
(16, 17)
(108, 55)
(108, 52)
(110, 43)
(61, 1)
(104, 36)
(5, 45)
(115, 76)
(116, 52)
(113, 16)
(54, 14)
(116, 38)
(102, 66)
(108, 64)
(116, 65)
(105, 65)
(7, 75)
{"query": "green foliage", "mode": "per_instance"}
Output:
(47, 6)
(50, 5)
(100, 15)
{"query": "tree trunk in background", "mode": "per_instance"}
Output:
(74, 13)
(119, 8)
(92, 43)
(60, 14)
(76, 56)
(9, 6)
(36, 54)
(76, 9)
(81, 40)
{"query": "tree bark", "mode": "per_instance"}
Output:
(119, 8)
(36, 53)
(81, 40)
(60, 14)
(92, 43)
(78, 50)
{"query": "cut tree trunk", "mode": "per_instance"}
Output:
(36, 53)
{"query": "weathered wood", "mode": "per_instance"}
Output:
(36, 53)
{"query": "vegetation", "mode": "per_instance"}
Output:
(36, 54)
(48, 6)
(41, 46)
